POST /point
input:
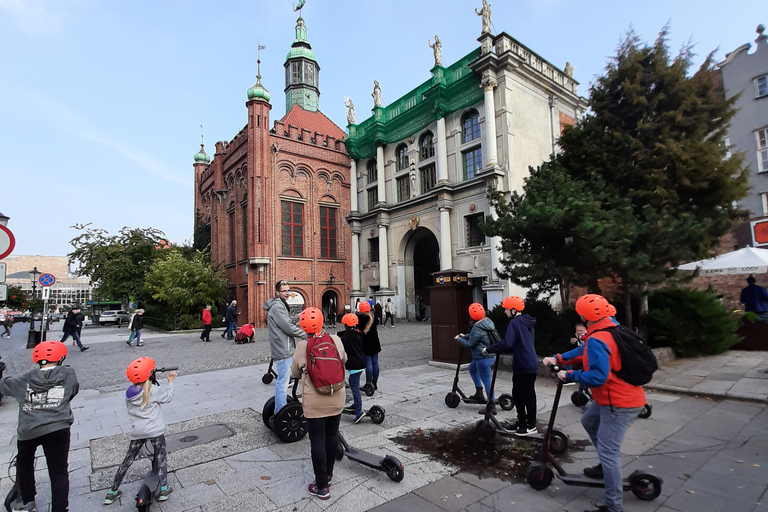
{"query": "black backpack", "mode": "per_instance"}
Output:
(494, 336)
(637, 360)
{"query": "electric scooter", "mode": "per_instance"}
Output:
(645, 486)
(389, 464)
(488, 427)
(271, 374)
(376, 413)
(455, 396)
(289, 423)
(583, 396)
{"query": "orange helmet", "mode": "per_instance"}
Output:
(350, 320)
(311, 320)
(49, 352)
(140, 370)
(364, 307)
(513, 302)
(593, 307)
(476, 311)
(611, 310)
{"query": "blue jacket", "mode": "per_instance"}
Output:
(478, 338)
(519, 342)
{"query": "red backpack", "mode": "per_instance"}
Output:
(324, 365)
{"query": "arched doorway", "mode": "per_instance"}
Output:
(330, 305)
(422, 258)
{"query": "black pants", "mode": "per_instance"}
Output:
(324, 442)
(56, 450)
(390, 318)
(206, 332)
(524, 395)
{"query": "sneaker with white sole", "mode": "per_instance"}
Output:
(164, 493)
(111, 496)
(314, 490)
(359, 417)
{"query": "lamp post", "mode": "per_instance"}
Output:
(4, 220)
(331, 277)
(32, 335)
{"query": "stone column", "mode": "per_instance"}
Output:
(383, 254)
(380, 170)
(490, 123)
(442, 152)
(353, 186)
(446, 261)
(355, 258)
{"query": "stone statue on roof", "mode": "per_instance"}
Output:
(376, 94)
(350, 110)
(485, 15)
(437, 48)
(568, 70)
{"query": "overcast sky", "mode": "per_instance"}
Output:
(101, 101)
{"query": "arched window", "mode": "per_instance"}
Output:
(371, 171)
(470, 126)
(401, 157)
(427, 146)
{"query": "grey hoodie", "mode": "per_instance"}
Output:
(43, 396)
(147, 422)
(280, 329)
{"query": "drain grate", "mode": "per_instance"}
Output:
(190, 438)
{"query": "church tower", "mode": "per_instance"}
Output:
(302, 73)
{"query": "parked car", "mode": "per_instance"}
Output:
(114, 317)
(21, 317)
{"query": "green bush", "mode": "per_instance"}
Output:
(691, 322)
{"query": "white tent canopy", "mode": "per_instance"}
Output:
(748, 260)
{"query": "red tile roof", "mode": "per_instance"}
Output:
(312, 121)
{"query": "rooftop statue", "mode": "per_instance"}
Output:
(485, 14)
(437, 48)
(568, 69)
(376, 94)
(350, 110)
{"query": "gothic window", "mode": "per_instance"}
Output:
(328, 232)
(232, 237)
(371, 171)
(470, 126)
(292, 219)
(401, 157)
(428, 178)
(403, 188)
(427, 146)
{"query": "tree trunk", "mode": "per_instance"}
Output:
(627, 307)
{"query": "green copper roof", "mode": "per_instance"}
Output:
(301, 51)
(258, 92)
(202, 157)
(300, 46)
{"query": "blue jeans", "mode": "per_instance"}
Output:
(283, 369)
(354, 386)
(231, 329)
(372, 369)
(480, 371)
(75, 337)
(138, 337)
(606, 427)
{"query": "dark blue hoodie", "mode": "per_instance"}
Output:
(519, 342)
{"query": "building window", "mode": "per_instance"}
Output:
(292, 219)
(764, 200)
(245, 232)
(295, 72)
(762, 149)
(470, 126)
(403, 188)
(371, 171)
(761, 86)
(427, 146)
(373, 250)
(328, 232)
(309, 73)
(473, 162)
(373, 198)
(428, 178)
(475, 237)
(401, 157)
(232, 240)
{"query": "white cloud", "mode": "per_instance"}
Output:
(32, 17)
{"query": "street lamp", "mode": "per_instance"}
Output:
(4, 220)
(31, 336)
(331, 278)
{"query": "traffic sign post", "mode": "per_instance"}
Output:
(46, 280)
(3, 266)
(3, 292)
(46, 293)
(7, 241)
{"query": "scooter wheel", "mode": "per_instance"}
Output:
(579, 399)
(267, 378)
(646, 412)
(369, 391)
(290, 423)
(452, 400)
(268, 411)
(558, 443)
(539, 477)
(485, 430)
(393, 468)
(506, 402)
(377, 414)
(645, 486)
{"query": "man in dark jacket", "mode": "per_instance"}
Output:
(71, 325)
(525, 364)
(230, 316)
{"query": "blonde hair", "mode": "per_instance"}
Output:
(147, 388)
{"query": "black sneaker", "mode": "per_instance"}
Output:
(350, 410)
(314, 490)
(594, 472)
(129, 343)
(83, 349)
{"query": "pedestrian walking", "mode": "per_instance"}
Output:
(7, 325)
(389, 311)
(147, 424)
(477, 341)
(230, 317)
(45, 417)
(136, 325)
(322, 411)
(371, 346)
(71, 328)
(282, 334)
(80, 321)
(616, 403)
(331, 317)
(352, 339)
(378, 312)
(207, 319)
(131, 336)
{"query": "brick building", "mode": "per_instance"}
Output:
(276, 198)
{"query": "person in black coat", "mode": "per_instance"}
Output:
(352, 339)
(368, 325)
(71, 325)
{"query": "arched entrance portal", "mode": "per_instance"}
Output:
(422, 258)
(330, 307)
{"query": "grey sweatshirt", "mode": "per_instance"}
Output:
(147, 422)
(43, 396)
(280, 329)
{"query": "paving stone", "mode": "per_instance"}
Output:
(412, 502)
(451, 493)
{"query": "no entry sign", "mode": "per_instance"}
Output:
(7, 241)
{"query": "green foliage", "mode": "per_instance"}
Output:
(202, 235)
(692, 322)
(16, 298)
(499, 319)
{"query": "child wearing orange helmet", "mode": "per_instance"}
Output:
(368, 325)
(147, 424)
(477, 341)
(44, 395)
(352, 339)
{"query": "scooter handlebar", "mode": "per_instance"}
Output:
(167, 369)
(553, 368)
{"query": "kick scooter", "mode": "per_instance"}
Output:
(645, 486)
(389, 464)
(271, 374)
(583, 396)
(376, 413)
(455, 396)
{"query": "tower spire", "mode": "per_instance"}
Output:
(258, 91)
(202, 157)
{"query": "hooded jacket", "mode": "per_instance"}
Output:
(280, 329)
(352, 339)
(44, 396)
(519, 342)
(147, 422)
(368, 324)
(478, 338)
